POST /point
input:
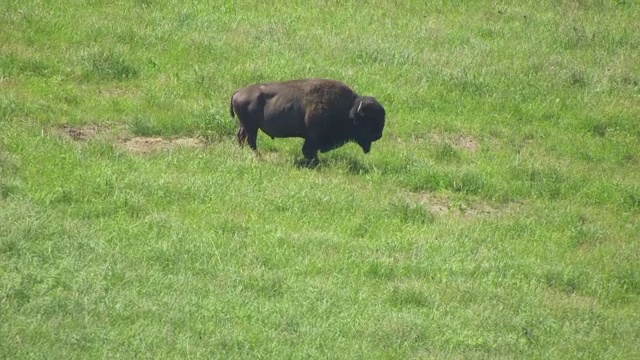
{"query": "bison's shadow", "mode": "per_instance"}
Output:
(344, 161)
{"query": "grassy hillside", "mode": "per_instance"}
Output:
(499, 215)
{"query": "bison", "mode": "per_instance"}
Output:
(325, 113)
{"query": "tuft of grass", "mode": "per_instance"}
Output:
(106, 66)
(144, 127)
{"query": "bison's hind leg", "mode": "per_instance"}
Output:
(252, 137)
(242, 135)
(249, 135)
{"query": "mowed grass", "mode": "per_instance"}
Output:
(497, 217)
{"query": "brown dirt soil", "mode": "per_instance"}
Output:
(82, 133)
(442, 204)
(146, 145)
(461, 142)
(466, 142)
(119, 136)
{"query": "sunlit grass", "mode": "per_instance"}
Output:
(497, 217)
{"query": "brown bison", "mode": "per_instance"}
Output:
(326, 113)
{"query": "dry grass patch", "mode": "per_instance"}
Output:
(440, 204)
(146, 145)
(460, 142)
(119, 136)
(84, 133)
(463, 142)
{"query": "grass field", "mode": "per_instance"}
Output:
(499, 215)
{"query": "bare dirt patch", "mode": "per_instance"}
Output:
(463, 142)
(437, 204)
(146, 145)
(83, 133)
(466, 142)
(443, 204)
(119, 136)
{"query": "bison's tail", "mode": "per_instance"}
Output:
(231, 111)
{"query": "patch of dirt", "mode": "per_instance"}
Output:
(146, 145)
(437, 204)
(461, 141)
(119, 136)
(442, 204)
(7, 82)
(82, 133)
(467, 142)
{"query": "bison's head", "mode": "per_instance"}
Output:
(368, 116)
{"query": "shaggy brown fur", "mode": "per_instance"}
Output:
(326, 113)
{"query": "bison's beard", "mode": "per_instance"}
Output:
(328, 146)
(365, 145)
(331, 145)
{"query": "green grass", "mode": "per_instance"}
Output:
(497, 217)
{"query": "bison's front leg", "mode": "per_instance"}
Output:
(310, 150)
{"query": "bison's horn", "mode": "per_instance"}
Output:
(359, 106)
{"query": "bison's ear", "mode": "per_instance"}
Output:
(356, 110)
